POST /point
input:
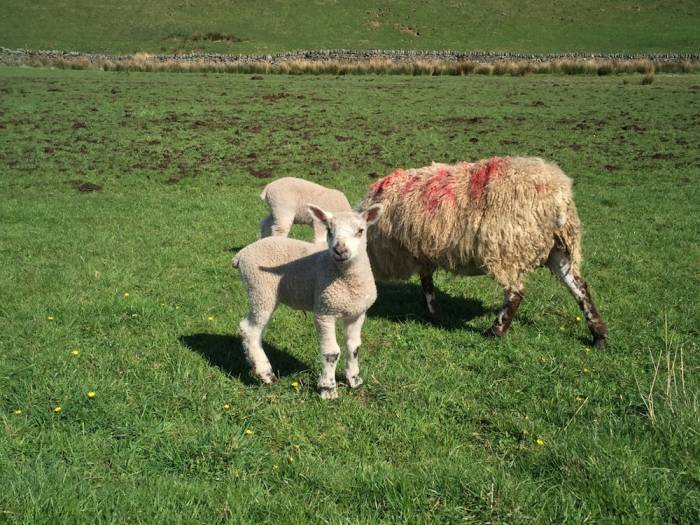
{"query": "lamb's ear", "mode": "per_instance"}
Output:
(372, 214)
(320, 215)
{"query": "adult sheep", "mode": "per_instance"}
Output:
(502, 217)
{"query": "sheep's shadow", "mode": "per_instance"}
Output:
(226, 353)
(402, 301)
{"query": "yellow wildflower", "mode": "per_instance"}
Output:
(586, 370)
(57, 409)
(296, 447)
(578, 318)
(75, 353)
(275, 467)
(18, 412)
(91, 394)
(290, 459)
(295, 385)
(210, 318)
(50, 318)
(579, 398)
(227, 406)
(248, 432)
(126, 295)
(540, 442)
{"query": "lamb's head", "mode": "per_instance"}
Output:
(347, 230)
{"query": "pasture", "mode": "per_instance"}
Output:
(128, 292)
(526, 26)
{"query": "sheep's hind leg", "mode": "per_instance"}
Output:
(513, 297)
(426, 281)
(282, 224)
(353, 329)
(252, 327)
(330, 353)
(560, 265)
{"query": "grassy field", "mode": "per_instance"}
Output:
(128, 292)
(265, 27)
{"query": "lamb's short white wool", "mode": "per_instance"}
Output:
(288, 198)
(333, 282)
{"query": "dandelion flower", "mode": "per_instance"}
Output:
(579, 398)
(248, 432)
(290, 459)
(578, 318)
(91, 394)
(540, 442)
(75, 353)
(57, 409)
(227, 406)
(18, 412)
(296, 447)
(126, 295)
(526, 418)
(50, 318)
(275, 467)
(295, 385)
(210, 318)
(586, 370)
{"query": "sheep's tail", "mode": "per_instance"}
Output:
(568, 234)
(236, 260)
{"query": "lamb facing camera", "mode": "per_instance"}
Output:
(333, 282)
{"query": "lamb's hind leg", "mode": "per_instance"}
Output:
(353, 329)
(266, 226)
(560, 265)
(330, 353)
(513, 296)
(252, 327)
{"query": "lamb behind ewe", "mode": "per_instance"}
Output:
(334, 283)
(288, 198)
(501, 216)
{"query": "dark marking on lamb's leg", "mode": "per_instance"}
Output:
(560, 265)
(426, 281)
(353, 329)
(513, 298)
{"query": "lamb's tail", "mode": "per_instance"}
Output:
(235, 262)
(263, 195)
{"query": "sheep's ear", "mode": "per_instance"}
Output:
(320, 215)
(372, 214)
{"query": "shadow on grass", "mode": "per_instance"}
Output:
(401, 302)
(226, 353)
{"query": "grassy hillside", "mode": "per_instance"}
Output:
(247, 26)
(128, 292)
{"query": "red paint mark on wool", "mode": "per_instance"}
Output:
(479, 179)
(438, 189)
(542, 188)
(381, 185)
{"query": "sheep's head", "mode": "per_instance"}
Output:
(347, 230)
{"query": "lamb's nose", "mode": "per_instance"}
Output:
(340, 248)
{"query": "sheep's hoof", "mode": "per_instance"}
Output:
(492, 332)
(600, 342)
(328, 392)
(354, 381)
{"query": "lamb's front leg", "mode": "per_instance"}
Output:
(353, 329)
(330, 353)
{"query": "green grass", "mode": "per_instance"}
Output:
(445, 427)
(266, 27)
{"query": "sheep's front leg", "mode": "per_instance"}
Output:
(330, 353)
(353, 329)
(426, 281)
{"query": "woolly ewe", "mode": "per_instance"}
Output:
(334, 283)
(502, 217)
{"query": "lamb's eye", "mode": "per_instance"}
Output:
(360, 232)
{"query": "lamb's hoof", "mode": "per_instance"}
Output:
(267, 377)
(328, 392)
(600, 343)
(354, 381)
(434, 319)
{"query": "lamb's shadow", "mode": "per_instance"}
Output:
(402, 301)
(226, 353)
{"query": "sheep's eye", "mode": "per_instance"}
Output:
(360, 232)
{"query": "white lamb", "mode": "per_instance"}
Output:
(288, 198)
(334, 283)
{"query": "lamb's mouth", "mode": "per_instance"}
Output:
(341, 258)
